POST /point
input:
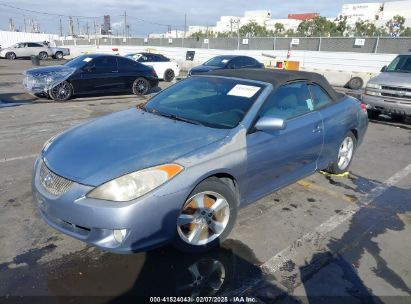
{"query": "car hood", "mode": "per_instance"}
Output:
(49, 70)
(204, 68)
(393, 79)
(127, 141)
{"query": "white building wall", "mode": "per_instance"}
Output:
(226, 23)
(9, 38)
(402, 8)
(289, 24)
(361, 11)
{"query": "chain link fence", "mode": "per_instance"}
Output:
(366, 45)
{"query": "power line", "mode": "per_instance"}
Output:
(91, 17)
(46, 13)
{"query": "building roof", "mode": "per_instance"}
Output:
(278, 78)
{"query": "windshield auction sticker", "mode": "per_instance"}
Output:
(243, 91)
(87, 59)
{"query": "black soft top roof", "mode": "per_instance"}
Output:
(278, 77)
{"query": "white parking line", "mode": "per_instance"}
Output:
(320, 233)
(5, 160)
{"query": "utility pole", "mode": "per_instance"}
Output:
(95, 27)
(87, 32)
(185, 29)
(71, 29)
(185, 24)
(61, 29)
(238, 34)
(125, 24)
(78, 27)
(231, 27)
(25, 24)
(11, 25)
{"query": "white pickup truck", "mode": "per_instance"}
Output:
(57, 52)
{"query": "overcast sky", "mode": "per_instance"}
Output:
(160, 12)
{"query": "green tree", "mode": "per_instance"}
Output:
(397, 19)
(198, 35)
(278, 28)
(223, 34)
(318, 26)
(365, 28)
(253, 29)
(341, 26)
(406, 32)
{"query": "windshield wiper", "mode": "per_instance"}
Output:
(179, 118)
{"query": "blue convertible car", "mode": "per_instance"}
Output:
(177, 168)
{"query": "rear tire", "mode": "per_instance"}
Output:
(11, 56)
(169, 75)
(344, 155)
(141, 86)
(43, 55)
(373, 114)
(61, 92)
(207, 217)
(355, 83)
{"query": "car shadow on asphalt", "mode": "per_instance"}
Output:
(404, 123)
(231, 270)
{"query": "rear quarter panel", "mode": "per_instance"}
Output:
(339, 118)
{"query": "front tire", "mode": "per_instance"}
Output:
(141, 86)
(169, 75)
(344, 156)
(11, 56)
(206, 218)
(61, 92)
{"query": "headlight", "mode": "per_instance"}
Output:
(49, 80)
(373, 86)
(48, 142)
(131, 186)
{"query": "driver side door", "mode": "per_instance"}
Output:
(278, 158)
(101, 75)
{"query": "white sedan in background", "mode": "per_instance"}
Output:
(164, 67)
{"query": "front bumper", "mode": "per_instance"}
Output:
(387, 104)
(149, 221)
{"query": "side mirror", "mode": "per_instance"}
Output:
(384, 68)
(268, 123)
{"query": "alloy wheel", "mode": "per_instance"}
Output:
(141, 86)
(61, 91)
(345, 153)
(203, 218)
(169, 75)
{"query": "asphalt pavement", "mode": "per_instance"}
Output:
(324, 239)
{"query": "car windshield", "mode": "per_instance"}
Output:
(133, 55)
(210, 101)
(219, 61)
(79, 61)
(401, 64)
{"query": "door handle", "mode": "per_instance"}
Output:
(114, 71)
(317, 129)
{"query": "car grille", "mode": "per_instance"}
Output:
(53, 183)
(396, 92)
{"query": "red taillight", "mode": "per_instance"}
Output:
(364, 107)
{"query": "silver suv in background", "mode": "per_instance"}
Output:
(390, 91)
(26, 49)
